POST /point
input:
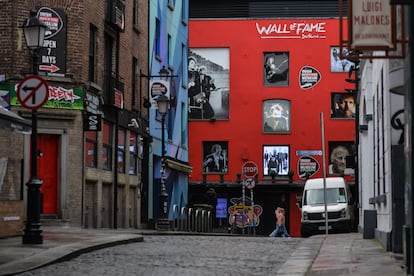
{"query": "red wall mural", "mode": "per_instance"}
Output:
(289, 61)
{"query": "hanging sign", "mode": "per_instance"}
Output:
(372, 25)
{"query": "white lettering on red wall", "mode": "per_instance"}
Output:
(297, 30)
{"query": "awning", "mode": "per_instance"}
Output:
(178, 165)
(13, 122)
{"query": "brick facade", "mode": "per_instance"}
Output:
(79, 189)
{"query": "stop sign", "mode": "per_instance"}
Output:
(249, 169)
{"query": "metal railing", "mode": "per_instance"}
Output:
(192, 220)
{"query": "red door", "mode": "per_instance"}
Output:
(48, 171)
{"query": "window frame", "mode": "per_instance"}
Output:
(107, 133)
(93, 141)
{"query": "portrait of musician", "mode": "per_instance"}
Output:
(215, 157)
(208, 91)
(276, 69)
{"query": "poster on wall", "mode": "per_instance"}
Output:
(340, 158)
(276, 158)
(307, 166)
(215, 157)
(276, 116)
(276, 69)
(343, 105)
(309, 77)
(338, 64)
(208, 84)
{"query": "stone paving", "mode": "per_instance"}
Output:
(183, 255)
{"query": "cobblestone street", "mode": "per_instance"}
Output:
(182, 255)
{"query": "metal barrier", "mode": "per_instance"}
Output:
(197, 220)
(191, 225)
(176, 217)
(183, 222)
(192, 220)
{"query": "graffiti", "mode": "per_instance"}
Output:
(398, 125)
(249, 217)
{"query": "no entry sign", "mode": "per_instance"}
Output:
(32, 92)
(249, 169)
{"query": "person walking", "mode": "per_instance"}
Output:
(280, 229)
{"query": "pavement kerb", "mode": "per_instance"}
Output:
(301, 260)
(65, 252)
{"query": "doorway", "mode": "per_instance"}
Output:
(48, 145)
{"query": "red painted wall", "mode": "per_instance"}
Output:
(244, 129)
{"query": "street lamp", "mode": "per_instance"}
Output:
(163, 103)
(34, 32)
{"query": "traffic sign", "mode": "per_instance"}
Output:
(249, 169)
(250, 183)
(32, 92)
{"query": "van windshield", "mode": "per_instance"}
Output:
(334, 195)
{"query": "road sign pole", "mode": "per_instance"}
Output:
(244, 202)
(32, 231)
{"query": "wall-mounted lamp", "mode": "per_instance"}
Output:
(363, 128)
(368, 117)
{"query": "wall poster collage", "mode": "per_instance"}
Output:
(208, 92)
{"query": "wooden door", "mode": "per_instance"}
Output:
(48, 171)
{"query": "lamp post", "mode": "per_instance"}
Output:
(163, 103)
(34, 31)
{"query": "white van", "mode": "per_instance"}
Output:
(339, 206)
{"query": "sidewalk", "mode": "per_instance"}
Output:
(339, 254)
(59, 243)
(342, 254)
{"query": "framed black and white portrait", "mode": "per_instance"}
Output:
(276, 158)
(215, 157)
(208, 83)
(341, 158)
(338, 64)
(343, 105)
(276, 69)
(276, 116)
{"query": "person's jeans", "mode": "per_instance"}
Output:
(280, 230)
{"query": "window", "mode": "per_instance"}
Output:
(184, 124)
(133, 153)
(120, 152)
(157, 36)
(135, 14)
(134, 81)
(91, 148)
(184, 80)
(169, 49)
(171, 5)
(107, 146)
(184, 16)
(92, 53)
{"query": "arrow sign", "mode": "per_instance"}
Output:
(51, 68)
(32, 92)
